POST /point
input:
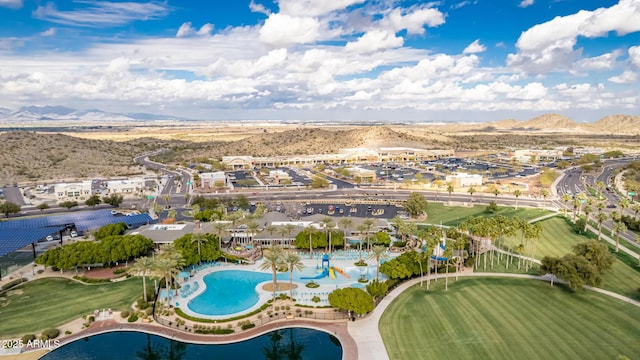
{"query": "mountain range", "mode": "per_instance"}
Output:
(63, 113)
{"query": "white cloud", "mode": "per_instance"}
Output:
(283, 30)
(12, 4)
(103, 13)
(259, 8)
(603, 62)
(373, 41)
(186, 29)
(48, 32)
(474, 48)
(634, 55)
(550, 45)
(413, 19)
(526, 3)
(627, 77)
(312, 8)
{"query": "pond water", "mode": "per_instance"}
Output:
(288, 343)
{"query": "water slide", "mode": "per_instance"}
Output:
(331, 273)
(324, 273)
(341, 272)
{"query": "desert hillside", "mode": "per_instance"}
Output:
(47, 156)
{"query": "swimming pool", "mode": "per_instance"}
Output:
(289, 343)
(229, 292)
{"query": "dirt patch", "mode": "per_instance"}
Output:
(103, 273)
(280, 287)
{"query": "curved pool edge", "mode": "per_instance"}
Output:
(335, 328)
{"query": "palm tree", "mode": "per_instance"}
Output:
(517, 194)
(310, 230)
(270, 229)
(601, 186)
(327, 223)
(576, 203)
(293, 261)
(600, 205)
(253, 229)
(362, 229)
(172, 213)
(271, 260)
(566, 198)
(368, 223)
(624, 203)
(378, 253)
(198, 238)
(289, 229)
(282, 231)
(587, 210)
(165, 268)
(219, 228)
(545, 194)
(618, 227)
(345, 223)
(636, 210)
(601, 218)
(143, 266)
(450, 189)
(471, 191)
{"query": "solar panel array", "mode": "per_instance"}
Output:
(16, 234)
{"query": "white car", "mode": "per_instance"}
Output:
(49, 237)
(73, 233)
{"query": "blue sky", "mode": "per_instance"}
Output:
(473, 60)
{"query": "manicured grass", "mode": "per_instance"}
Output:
(558, 238)
(51, 302)
(508, 319)
(453, 215)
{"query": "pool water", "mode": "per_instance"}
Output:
(230, 292)
(289, 343)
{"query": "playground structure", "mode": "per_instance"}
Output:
(327, 270)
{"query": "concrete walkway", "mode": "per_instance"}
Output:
(367, 336)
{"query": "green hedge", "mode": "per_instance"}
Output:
(214, 331)
(29, 337)
(132, 318)
(181, 313)
(87, 280)
(13, 283)
(248, 326)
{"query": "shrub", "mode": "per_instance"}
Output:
(312, 284)
(87, 280)
(149, 311)
(124, 314)
(132, 318)
(361, 263)
(29, 337)
(248, 326)
(40, 271)
(50, 334)
(92, 319)
(67, 332)
(315, 299)
(120, 271)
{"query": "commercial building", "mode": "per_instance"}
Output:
(464, 179)
(73, 191)
(212, 180)
(362, 175)
(125, 186)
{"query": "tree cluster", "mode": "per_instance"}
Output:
(188, 248)
(8, 208)
(402, 267)
(415, 205)
(352, 299)
(584, 266)
(109, 250)
(319, 239)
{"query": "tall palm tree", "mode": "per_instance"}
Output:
(270, 229)
(601, 218)
(143, 267)
(282, 231)
(566, 198)
(378, 253)
(624, 204)
(165, 268)
(271, 260)
(219, 228)
(289, 229)
(600, 205)
(450, 189)
(310, 230)
(345, 223)
(253, 229)
(601, 186)
(293, 262)
(172, 214)
(636, 210)
(198, 238)
(545, 194)
(517, 194)
(586, 210)
(576, 203)
(471, 191)
(174, 258)
(327, 224)
(618, 227)
(368, 224)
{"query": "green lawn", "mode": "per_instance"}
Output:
(452, 215)
(508, 319)
(557, 238)
(51, 302)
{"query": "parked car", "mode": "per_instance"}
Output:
(73, 233)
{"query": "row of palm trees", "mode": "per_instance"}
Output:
(165, 266)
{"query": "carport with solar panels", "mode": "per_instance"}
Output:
(20, 233)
